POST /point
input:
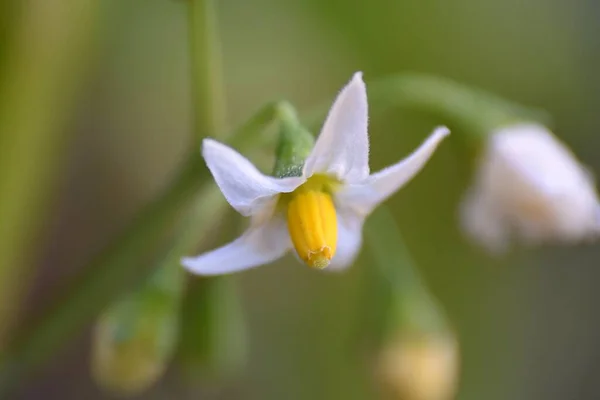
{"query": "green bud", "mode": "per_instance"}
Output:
(135, 338)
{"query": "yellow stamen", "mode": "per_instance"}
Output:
(312, 224)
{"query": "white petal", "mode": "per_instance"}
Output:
(535, 154)
(482, 222)
(540, 185)
(342, 148)
(244, 187)
(259, 245)
(349, 239)
(365, 196)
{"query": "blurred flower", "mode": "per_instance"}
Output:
(531, 186)
(319, 207)
(127, 360)
(420, 367)
(136, 336)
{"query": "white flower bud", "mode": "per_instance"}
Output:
(529, 186)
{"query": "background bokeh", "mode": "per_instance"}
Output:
(528, 323)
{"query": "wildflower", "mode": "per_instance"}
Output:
(318, 208)
(529, 185)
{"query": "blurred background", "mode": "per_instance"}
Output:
(118, 122)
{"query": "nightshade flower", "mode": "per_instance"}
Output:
(319, 213)
(529, 186)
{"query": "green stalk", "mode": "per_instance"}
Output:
(412, 306)
(123, 263)
(135, 341)
(207, 83)
(209, 111)
(136, 336)
(44, 64)
(392, 258)
(470, 113)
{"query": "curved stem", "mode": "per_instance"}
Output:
(411, 304)
(472, 110)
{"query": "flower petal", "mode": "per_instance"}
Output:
(349, 239)
(342, 148)
(536, 155)
(365, 196)
(537, 186)
(257, 246)
(244, 186)
(482, 221)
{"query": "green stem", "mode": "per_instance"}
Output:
(207, 85)
(120, 265)
(392, 258)
(411, 305)
(472, 111)
(115, 269)
(470, 108)
(42, 70)
(213, 341)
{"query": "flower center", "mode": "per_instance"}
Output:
(312, 222)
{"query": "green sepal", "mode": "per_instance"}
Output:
(294, 144)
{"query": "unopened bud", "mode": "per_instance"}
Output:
(420, 367)
(135, 338)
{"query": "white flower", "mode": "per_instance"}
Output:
(529, 185)
(320, 213)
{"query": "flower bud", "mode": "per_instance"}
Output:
(420, 367)
(530, 187)
(135, 338)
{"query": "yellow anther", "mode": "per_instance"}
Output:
(312, 224)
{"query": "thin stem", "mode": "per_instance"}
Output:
(460, 106)
(391, 254)
(44, 61)
(411, 304)
(123, 263)
(105, 278)
(207, 85)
